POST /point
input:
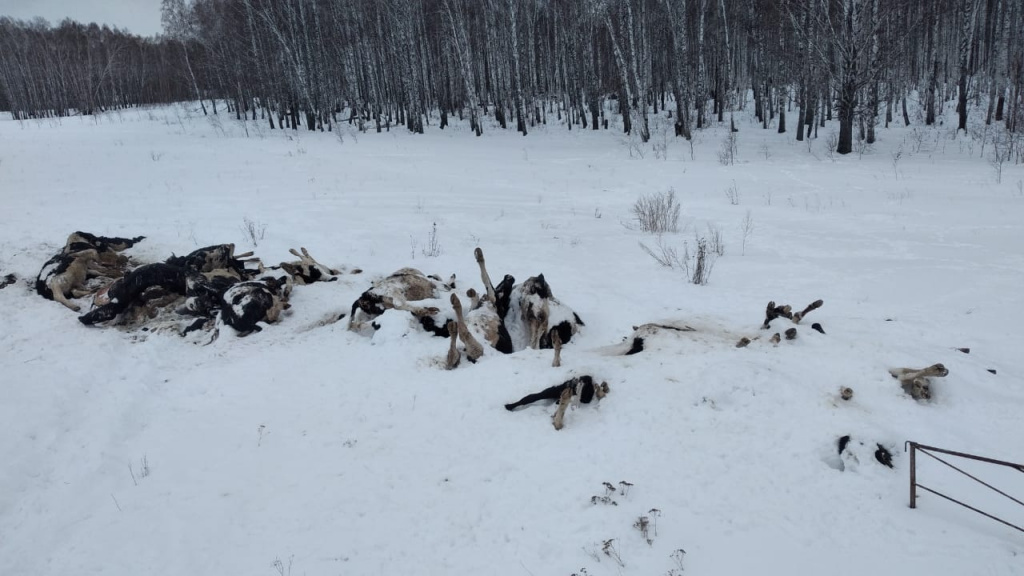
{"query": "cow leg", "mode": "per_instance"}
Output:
(454, 357)
(274, 312)
(915, 381)
(359, 320)
(538, 326)
(534, 336)
(59, 297)
(294, 271)
(417, 311)
(935, 370)
(483, 274)
(903, 373)
(556, 343)
(797, 317)
(96, 269)
(537, 320)
(57, 288)
(920, 388)
(474, 299)
(563, 402)
(473, 348)
(552, 393)
(312, 261)
(772, 312)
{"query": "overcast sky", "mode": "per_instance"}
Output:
(138, 16)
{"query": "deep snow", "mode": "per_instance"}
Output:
(311, 450)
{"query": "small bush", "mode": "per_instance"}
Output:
(665, 254)
(700, 265)
(831, 144)
(732, 193)
(254, 229)
(657, 213)
(1000, 155)
(609, 550)
(432, 249)
(715, 241)
(696, 265)
(677, 557)
(748, 229)
(727, 151)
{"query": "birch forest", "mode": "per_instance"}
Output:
(416, 64)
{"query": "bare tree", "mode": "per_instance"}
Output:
(177, 24)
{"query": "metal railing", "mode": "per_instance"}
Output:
(928, 450)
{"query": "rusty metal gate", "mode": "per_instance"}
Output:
(930, 451)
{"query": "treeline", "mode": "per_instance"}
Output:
(380, 63)
(79, 69)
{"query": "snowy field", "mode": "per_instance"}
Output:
(310, 450)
